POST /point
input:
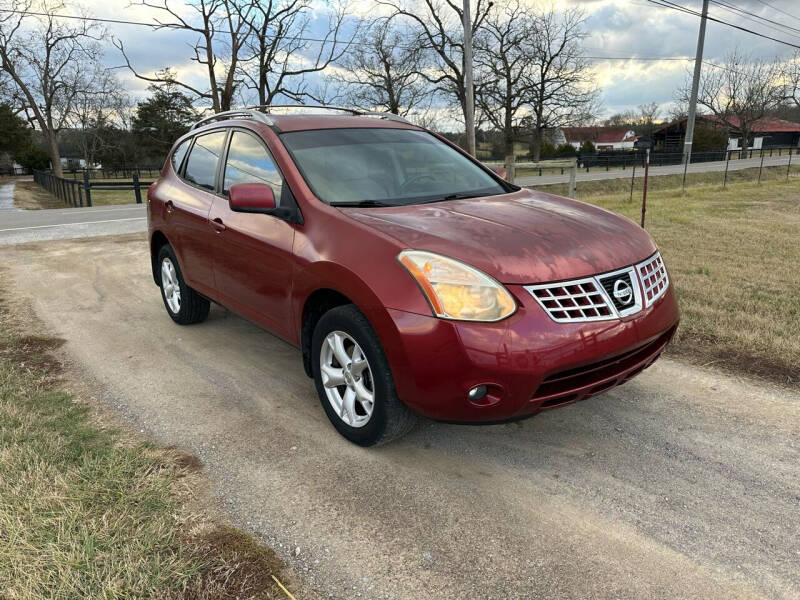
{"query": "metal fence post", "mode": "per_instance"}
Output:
(573, 172)
(137, 191)
(644, 189)
(789, 166)
(727, 162)
(633, 176)
(760, 167)
(87, 188)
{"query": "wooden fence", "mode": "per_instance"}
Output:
(77, 192)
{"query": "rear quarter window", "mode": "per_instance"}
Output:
(179, 153)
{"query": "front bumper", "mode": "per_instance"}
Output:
(528, 362)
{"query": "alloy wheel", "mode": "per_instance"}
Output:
(347, 379)
(170, 285)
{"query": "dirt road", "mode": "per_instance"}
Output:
(680, 484)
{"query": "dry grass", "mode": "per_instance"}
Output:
(734, 256)
(31, 196)
(87, 511)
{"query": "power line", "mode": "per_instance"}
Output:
(780, 10)
(678, 7)
(755, 18)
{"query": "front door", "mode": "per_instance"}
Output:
(253, 252)
(188, 206)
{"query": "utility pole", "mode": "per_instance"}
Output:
(698, 63)
(469, 90)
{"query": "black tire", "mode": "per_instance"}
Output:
(390, 417)
(193, 307)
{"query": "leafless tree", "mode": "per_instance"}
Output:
(739, 91)
(99, 106)
(791, 77)
(46, 60)
(506, 61)
(221, 28)
(282, 49)
(382, 71)
(563, 94)
(439, 31)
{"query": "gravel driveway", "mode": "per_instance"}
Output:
(681, 484)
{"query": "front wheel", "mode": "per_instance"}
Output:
(353, 379)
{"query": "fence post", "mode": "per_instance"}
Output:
(633, 176)
(644, 189)
(727, 162)
(573, 172)
(87, 188)
(789, 166)
(760, 167)
(137, 191)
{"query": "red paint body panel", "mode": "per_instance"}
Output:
(265, 269)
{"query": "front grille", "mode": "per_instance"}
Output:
(604, 296)
(575, 301)
(654, 278)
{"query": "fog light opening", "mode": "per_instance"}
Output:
(477, 393)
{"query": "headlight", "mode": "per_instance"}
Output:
(456, 290)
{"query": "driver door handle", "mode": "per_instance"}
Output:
(218, 225)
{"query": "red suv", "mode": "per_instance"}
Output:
(413, 279)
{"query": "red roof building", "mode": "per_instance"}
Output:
(765, 132)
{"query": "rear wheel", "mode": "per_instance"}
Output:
(353, 379)
(183, 304)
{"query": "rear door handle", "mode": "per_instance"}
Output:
(218, 225)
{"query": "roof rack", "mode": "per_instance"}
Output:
(261, 113)
(243, 113)
(309, 108)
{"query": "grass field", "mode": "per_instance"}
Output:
(733, 255)
(87, 511)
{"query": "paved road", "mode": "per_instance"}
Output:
(19, 226)
(734, 165)
(680, 484)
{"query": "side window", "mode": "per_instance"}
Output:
(201, 166)
(180, 152)
(249, 162)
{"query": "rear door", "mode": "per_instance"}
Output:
(253, 252)
(189, 206)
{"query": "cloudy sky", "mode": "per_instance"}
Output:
(616, 28)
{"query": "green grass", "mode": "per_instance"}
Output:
(89, 512)
(733, 255)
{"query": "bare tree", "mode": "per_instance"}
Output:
(791, 77)
(506, 59)
(564, 94)
(282, 49)
(221, 27)
(46, 60)
(382, 71)
(438, 25)
(739, 92)
(99, 106)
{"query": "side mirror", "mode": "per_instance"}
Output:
(251, 198)
(500, 171)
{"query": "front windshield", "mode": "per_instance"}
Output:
(385, 167)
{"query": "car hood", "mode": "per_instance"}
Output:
(523, 237)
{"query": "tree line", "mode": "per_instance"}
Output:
(531, 71)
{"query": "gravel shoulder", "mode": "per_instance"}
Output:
(683, 483)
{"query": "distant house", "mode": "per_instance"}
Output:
(764, 133)
(603, 138)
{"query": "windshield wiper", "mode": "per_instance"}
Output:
(453, 197)
(362, 203)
